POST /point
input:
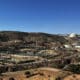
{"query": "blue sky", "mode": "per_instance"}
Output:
(50, 16)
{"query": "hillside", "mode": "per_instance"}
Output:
(49, 48)
(14, 35)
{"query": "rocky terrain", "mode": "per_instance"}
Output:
(47, 50)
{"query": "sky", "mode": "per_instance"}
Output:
(49, 16)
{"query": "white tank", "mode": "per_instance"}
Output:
(72, 35)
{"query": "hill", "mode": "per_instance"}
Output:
(25, 36)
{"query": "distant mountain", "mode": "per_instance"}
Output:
(25, 36)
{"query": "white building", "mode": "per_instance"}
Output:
(72, 35)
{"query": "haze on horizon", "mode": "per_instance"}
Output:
(50, 16)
